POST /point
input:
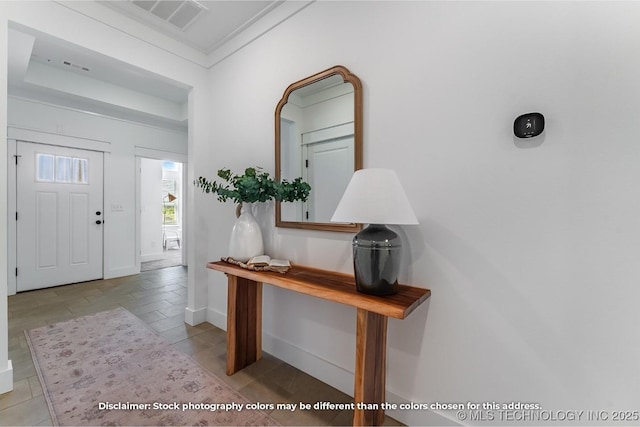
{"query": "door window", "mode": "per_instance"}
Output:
(61, 169)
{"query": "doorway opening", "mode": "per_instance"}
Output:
(161, 213)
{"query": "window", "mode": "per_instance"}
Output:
(169, 208)
(44, 167)
(80, 169)
(171, 183)
(61, 169)
(169, 214)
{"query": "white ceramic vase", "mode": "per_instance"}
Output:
(246, 237)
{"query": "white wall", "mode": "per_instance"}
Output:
(150, 209)
(336, 110)
(529, 250)
(6, 368)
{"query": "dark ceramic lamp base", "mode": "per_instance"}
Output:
(376, 260)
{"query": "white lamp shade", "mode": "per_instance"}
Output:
(374, 196)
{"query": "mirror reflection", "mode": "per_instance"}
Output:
(318, 137)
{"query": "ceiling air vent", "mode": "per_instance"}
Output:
(179, 13)
(76, 66)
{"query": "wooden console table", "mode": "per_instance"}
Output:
(244, 322)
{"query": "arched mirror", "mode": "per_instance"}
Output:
(319, 137)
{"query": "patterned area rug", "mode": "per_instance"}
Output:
(109, 368)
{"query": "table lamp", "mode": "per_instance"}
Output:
(375, 197)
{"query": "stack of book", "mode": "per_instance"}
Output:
(262, 263)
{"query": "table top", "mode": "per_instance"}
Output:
(333, 286)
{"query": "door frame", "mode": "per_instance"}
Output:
(15, 134)
(148, 153)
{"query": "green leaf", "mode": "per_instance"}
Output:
(254, 186)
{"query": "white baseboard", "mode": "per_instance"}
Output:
(334, 375)
(6, 378)
(152, 257)
(217, 318)
(343, 380)
(310, 363)
(417, 417)
(121, 272)
(195, 317)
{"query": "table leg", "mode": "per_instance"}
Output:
(371, 354)
(244, 323)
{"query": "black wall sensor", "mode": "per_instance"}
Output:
(528, 125)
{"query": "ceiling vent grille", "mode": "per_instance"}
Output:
(76, 66)
(178, 13)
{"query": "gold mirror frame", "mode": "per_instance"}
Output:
(357, 158)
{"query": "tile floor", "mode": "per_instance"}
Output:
(171, 257)
(157, 297)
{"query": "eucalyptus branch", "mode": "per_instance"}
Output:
(253, 186)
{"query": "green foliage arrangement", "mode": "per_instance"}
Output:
(254, 186)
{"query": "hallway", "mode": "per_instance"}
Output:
(157, 297)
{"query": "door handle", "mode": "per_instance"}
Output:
(98, 213)
(98, 222)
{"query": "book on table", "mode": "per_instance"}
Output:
(266, 260)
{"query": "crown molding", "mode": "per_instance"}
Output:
(129, 26)
(267, 23)
(109, 17)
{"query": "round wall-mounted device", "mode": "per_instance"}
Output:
(528, 125)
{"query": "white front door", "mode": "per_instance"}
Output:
(59, 215)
